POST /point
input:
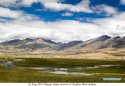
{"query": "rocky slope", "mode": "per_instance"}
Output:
(48, 45)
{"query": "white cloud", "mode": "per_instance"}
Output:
(29, 2)
(5, 12)
(8, 2)
(56, 5)
(83, 6)
(25, 25)
(109, 10)
(63, 30)
(114, 26)
(67, 14)
(123, 2)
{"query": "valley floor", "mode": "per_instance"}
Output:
(48, 68)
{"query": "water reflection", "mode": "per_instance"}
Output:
(65, 70)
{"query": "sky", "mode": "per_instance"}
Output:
(61, 20)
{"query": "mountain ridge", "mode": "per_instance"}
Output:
(41, 44)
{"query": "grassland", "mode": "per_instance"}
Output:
(58, 62)
(28, 75)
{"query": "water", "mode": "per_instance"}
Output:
(7, 64)
(72, 73)
(64, 71)
(55, 70)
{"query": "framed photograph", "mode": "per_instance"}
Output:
(62, 42)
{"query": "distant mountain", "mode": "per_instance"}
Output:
(116, 42)
(30, 44)
(95, 43)
(104, 42)
(71, 44)
(101, 38)
(101, 42)
(39, 43)
(42, 44)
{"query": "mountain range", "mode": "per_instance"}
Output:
(41, 44)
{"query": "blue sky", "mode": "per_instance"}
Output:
(39, 10)
(61, 20)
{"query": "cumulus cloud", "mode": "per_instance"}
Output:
(114, 26)
(5, 12)
(108, 10)
(25, 25)
(123, 2)
(56, 5)
(83, 6)
(67, 14)
(8, 2)
(60, 31)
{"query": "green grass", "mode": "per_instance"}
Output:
(115, 69)
(21, 75)
(107, 70)
(54, 62)
(25, 75)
